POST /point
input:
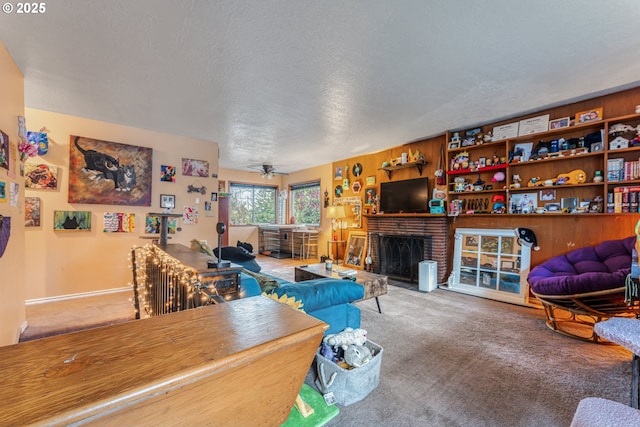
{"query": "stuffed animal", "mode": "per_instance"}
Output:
(347, 337)
(357, 355)
(327, 351)
(527, 237)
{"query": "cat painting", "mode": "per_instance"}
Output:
(126, 177)
(105, 166)
(109, 173)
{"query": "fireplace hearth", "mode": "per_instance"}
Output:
(413, 227)
(400, 255)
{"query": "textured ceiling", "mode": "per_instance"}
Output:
(299, 83)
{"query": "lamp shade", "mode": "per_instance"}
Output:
(336, 212)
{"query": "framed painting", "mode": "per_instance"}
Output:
(354, 253)
(152, 224)
(588, 116)
(119, 222)
(370, 196)
(109, 173)
(71, 220)
(4, 150)
(193, 167)
(559, 123)
(167, 173)
(40, 175)
(32, 211)
(167, 201)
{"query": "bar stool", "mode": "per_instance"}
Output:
(309, 243)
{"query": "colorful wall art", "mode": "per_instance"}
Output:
(32, 211)
(4, 150)
(71, 220)
(167, 173)
(118, 222)
(152, 224)
(109, 173)
(40, 175)
(192, 167)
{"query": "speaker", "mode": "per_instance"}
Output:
(220, 263)
(427, 276)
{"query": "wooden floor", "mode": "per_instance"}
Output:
(65, 315)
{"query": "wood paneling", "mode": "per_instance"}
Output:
(556, 234)
(371, 164)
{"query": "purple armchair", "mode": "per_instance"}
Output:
(582, 287)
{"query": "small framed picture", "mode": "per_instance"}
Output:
(473, 132)
(569, 204)
(552, 207)
(547, 194)
(167, 201)
(589, 115)
(596, 146)
(559, 123)
(214, 197)
(469, 141)
(454, 145)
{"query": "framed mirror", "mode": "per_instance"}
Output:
(354, 253)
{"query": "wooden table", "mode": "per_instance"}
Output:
(236, 364)
(374, 284)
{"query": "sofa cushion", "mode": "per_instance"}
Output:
(589, 269)
(322, 293)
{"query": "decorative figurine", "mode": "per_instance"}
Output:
(516, 181)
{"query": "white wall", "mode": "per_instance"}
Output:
(12, 262)
(77, 262)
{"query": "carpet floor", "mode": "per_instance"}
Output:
(457, 360)
(449, 359)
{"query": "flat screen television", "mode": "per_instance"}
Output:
(408, 196)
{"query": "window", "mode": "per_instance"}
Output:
(252, 204)
(305, 203)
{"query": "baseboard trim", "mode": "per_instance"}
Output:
(74, 296)
(21, 330)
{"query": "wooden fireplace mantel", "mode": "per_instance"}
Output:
(234, 364)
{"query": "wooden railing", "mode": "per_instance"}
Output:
(175, 278)
(240, 363)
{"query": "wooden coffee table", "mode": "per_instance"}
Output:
(374, 284)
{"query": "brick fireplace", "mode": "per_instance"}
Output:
(399, 243)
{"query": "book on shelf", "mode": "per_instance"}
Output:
(624, 199)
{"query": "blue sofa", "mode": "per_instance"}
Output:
(326, 299)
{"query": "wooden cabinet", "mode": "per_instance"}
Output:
(563, 169)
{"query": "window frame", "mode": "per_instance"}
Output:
(252, 187)
(301, 186)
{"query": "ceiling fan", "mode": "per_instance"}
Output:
(267, 171)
